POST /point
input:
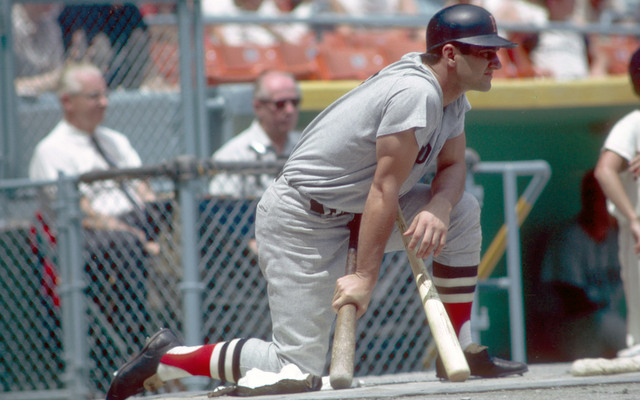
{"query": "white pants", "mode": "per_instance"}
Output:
(303, 253)
(630, 275)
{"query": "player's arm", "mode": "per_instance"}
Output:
(428, 230)
(634, 166)
(607, 171)
(396, 155)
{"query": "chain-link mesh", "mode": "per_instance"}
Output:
(30, 332)
(131, 289)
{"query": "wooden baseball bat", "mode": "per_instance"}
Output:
(453, 359)
(344, 337)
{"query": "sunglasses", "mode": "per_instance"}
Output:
(281, 104)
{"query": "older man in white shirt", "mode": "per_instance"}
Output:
(79, 144)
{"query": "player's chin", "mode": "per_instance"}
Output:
(485, 84)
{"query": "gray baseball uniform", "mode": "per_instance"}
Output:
(301, 226)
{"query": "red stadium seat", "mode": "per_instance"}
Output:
(300, 59)
(348, 63)
(233, 64)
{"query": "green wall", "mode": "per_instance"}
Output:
(569, 139)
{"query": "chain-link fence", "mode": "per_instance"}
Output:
(128, 289)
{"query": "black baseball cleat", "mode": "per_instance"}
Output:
(483, 365)
(139, 372)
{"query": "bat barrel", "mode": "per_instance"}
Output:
(453, 359)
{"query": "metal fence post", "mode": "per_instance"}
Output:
(191, 285)
(514, 266)
(8, 111)
(74, 325)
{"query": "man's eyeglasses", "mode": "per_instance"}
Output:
(281, 104)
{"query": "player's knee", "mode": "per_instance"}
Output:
(467, 211)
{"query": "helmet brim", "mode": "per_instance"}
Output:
(492, 40)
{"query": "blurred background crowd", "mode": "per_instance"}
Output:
(560, 39)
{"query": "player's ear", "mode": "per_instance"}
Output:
(448, 53)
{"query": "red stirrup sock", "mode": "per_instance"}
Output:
(219, 361)
(456, 287)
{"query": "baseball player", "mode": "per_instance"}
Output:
(617, 171)
(365, 154)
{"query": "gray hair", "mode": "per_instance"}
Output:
(69, 82)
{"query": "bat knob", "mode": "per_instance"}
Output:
(340, 381)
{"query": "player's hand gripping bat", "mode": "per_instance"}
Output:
(455, 364)
(344, 337)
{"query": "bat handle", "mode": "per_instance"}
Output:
(344, 345)
(344, 337)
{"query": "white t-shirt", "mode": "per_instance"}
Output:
(293, 32)
(68, 150)
(238, 34)
(335, 159)
(563, 53)
(624, 140)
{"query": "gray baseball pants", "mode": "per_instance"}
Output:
(302, 253)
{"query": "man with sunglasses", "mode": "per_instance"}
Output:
(271, 136)
(366, 154)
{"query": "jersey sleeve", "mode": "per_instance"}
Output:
(624, 138)
(408, 104)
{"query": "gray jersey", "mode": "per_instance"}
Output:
(335, 160)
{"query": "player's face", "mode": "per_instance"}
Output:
(475, 69)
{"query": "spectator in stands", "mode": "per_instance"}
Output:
(270, 137)
(581, 276)
(376, 7)
(293, 32)
(610, 53)
(237, 34)
(561, 54)
(112, 36)
(79, 144)
(363, 8)
(118, 232)
(38, 49)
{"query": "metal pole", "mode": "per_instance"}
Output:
(516, 308)
(8, 112)
(191, 286)
(202, 134)
(186, 173)
(73, 301)
(187, 83)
